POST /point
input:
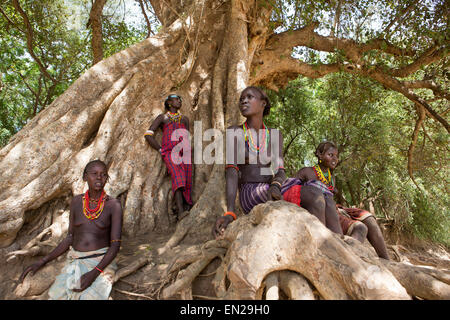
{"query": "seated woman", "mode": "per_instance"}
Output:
(93, 241)
(326, 153)
(249, 169)
(354, 222)
(180, 173)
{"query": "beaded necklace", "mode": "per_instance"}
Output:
(252, 145)
(319, 174)
(174, 117)
(92, 214)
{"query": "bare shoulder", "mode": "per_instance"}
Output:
(159, 120)
(114, 203)
(77, 199)
(305, 173)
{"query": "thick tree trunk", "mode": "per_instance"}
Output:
(104, 115)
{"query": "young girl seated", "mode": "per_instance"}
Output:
(259, 181)
(93, 241)
(354, 222)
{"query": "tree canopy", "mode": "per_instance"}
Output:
(45, 47)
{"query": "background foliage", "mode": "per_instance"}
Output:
(372, 128)
(61, 41)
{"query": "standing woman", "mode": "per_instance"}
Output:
(172, 122)
(93, 241)
(258, 178)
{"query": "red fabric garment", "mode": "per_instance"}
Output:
(355, 213)
(181, 174)
(293, 194)
(349, 216)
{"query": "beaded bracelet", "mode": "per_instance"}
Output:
(101, 271)
(149, 133)
(273, 183)
(230, 213)
(232, 166)
(116, 240)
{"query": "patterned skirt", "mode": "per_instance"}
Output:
(251, 194)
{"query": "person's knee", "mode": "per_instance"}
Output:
(317, 200)
(370, 221)
(360, 231)
(371, 224)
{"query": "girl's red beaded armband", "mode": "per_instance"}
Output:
(229, 213)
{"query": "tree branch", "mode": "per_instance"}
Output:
(412, 146)
(147, 21)
(274, 66)
(95, 22)
(353, 50)
(30, 42)
(401, 16)
(427, 84)
(280, 70)
(337, 18)
(10, 22)
(385, 46)
(398, 86)
(429, 56)
(285, 151)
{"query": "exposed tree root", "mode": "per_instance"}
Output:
(187, 276)
(423, 282)
(139, 295)
(129, 269)
(186, 294)
(303, 259)
(272, 286)
(209, 249)
(295, 286)
(36, 246)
